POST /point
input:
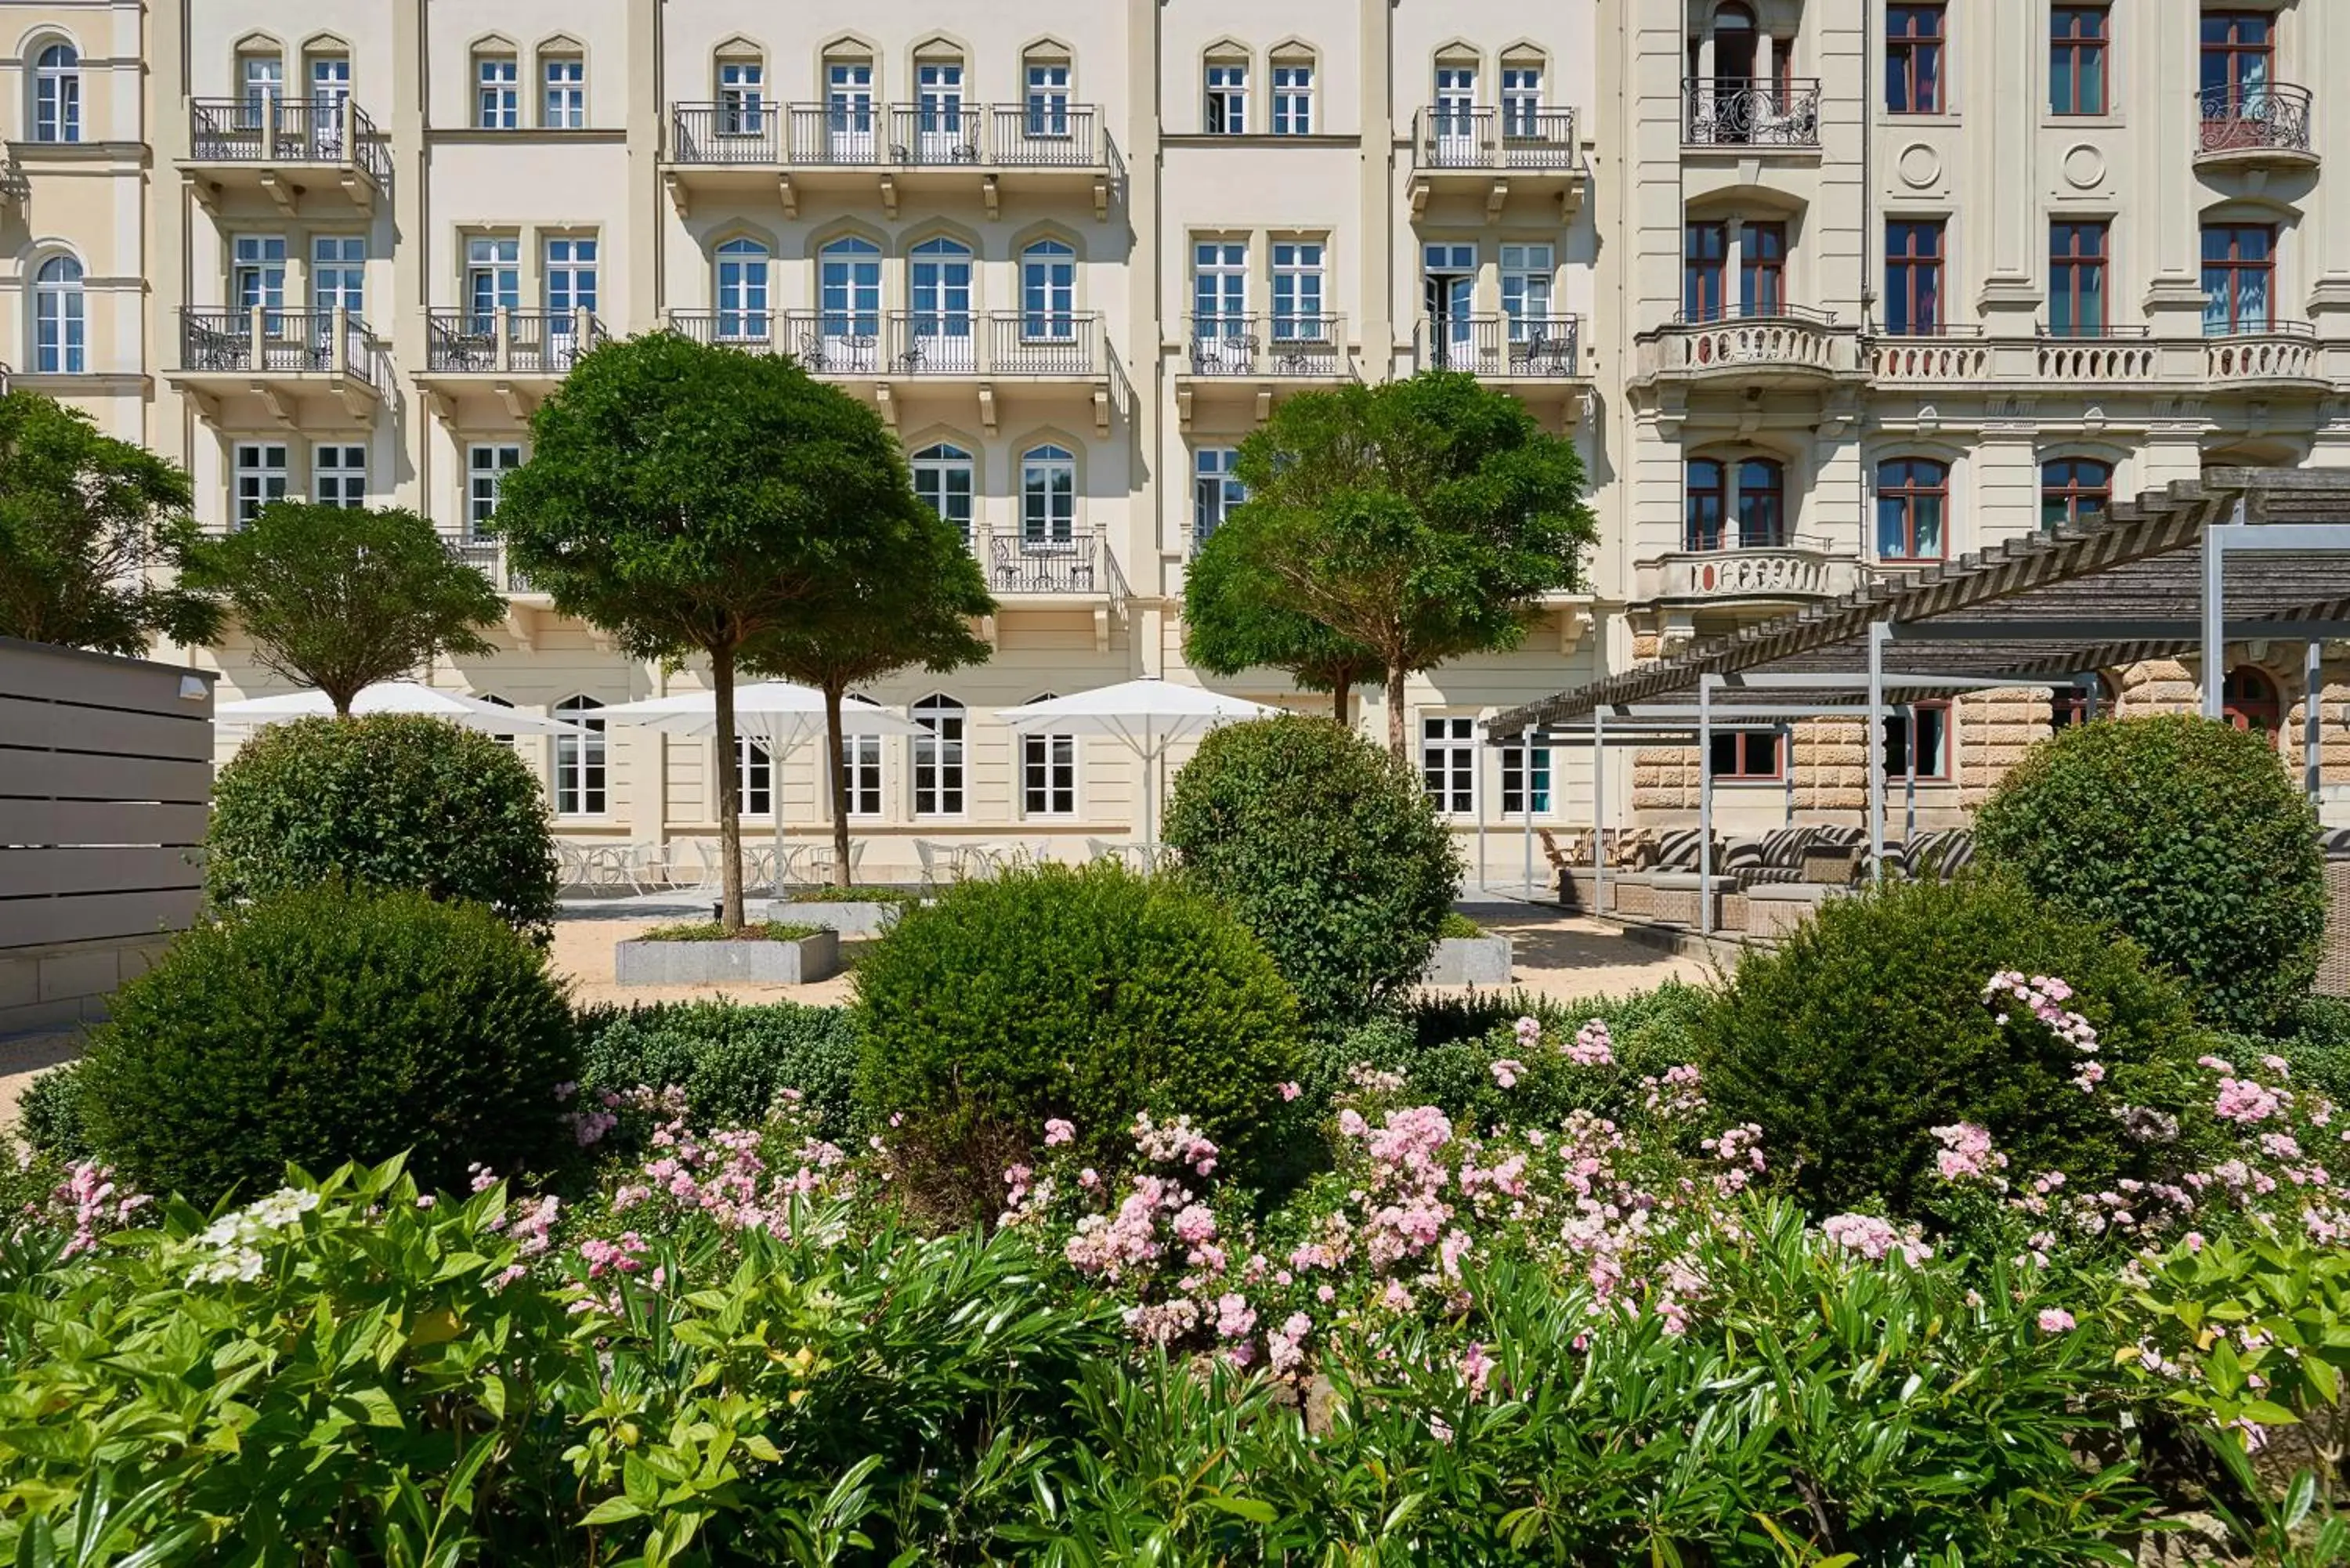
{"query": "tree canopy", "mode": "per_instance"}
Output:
(1419, 520)
(341, 598)
(1234, 619)
(916, 611)
(83, 518)
(693, 499)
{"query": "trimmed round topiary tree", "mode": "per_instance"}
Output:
(2186, 834)
(1868, 1027)
(324, 1025)
(389, 800)
(1086, 996)
(1326, 849)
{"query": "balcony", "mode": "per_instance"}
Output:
(2285, 355)
(516, 356)
(1495, 154)
(301, 366)
(1798, 572)
(1792, 347)
(1256, 359)
(1538, 357)
(2282, 357)
(1947, 356)
(2250, 126)
(1746, 114)
(286, 149)
(2107, 356)
(1037, 356)
(488, 557)
(1078, 567)
(1042, 149)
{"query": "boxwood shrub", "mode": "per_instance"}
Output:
(2188, 834)
(389, 800)
(731, 1061)
(1866, 1028)
(1086, 995)
(1327, 848)
(329, 1024)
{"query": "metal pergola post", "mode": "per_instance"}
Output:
(1787, 768)
(1598, 812)
(1879, 634)
(2215, 609)
(1705, 685)
(2313, 685)
(1910, 769)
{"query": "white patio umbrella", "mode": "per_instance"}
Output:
(395, 697)
(1146, 716)
(780, 716)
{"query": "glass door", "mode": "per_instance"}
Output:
(330, 88)
(849, 307)
(1447, 282)
(940, 136)
(850, 111)
(941, 340)
(1456, 117)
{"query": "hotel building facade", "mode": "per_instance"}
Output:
(1821, 290)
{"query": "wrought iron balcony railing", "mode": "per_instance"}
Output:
(1747, 111)
(1306, 347)
(1516, 136)
(267, 129)
(1078, 564)
(487, 556)
(2253, 118)
(260, 341)
(1035, 343)
(1504, 348)
(463, 341)
(1041, 133)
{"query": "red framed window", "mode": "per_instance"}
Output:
(2076, 279)
(1745, 755)
(1913, 508)
(1762, 504)
(2249, 699)
(1706, 498)
(1705, 260)
(1913, 276)
(2077, 36)
(2073, 490)
(2239, 278)
(2070, 705)
(2239, 59)
(1762, 269)
(1914, 48)
(1924, 755)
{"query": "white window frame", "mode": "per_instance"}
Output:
(941, 757)
(937, 467)
(60, 316)
(1448, 763)
(497, 92)
(493, 279)
(569, 268)
(1048, 498)
(1529, 283)
(338, 274)
(1047, 101)
(1225, 110)
(339, 474)
(740, 271)
(257, 264)
(1521, 100)
(488, 463)
(1048, 773)
(258, 474)
(563, 101)
(583, 777)
(755, 779)
(56, 94)
(1293, 98)
(1514, 782)
(861, 756)
(1297, 291)
(1215, 490)
(742, 97)
(1220, 285)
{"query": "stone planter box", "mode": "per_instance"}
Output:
(850, 919)
(713, 963)
(1470, 960)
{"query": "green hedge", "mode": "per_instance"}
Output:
(390, 800)
(1867, 1027)
(1087, 995)
(1327, 848)
(2186, 834)
(731, 1061)
(328, 1024)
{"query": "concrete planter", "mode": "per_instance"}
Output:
(850, 919)
(712, 963)
(1470, 960)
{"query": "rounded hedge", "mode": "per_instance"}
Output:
(1327, 848)
(2185, 832)
(325, 1026)
(1867, 1028)
(1085, 995)
(389, 800)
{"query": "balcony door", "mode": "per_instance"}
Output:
(330, 88)
(1449, 281)
(742, 293)
(492, 280)
(848, 111)
(848, 326)
(2239, 55)
(1456, 116)
(1048, 293)
(1705, 261)
(941, 339)
(940, 133)
(2239, 266)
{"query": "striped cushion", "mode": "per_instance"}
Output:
(1744, 854)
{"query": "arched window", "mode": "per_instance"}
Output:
(60, 338)
(943, 477)
(1048, 771)
(1705, 503)
(742, 268)
(1048, 498)
(2249, 699)
(942, 321)
(1048, 292)
(938, 757)
(579, 761)
(1762, 504)
(1913, 503)
(849, 315)
(2073, 490)
(56, 94)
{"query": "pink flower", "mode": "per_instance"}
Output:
(1195, 1224)
(1505, 1072)
(1593, 1047)
(1290, 1092)
(1058, 1132)
(2055, 1320)
(1476, 1366)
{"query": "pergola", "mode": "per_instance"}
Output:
(2245, 555)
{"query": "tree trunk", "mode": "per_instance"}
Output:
(836, 753)
(1398, 743)
(730, 785)
(1341, 691)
